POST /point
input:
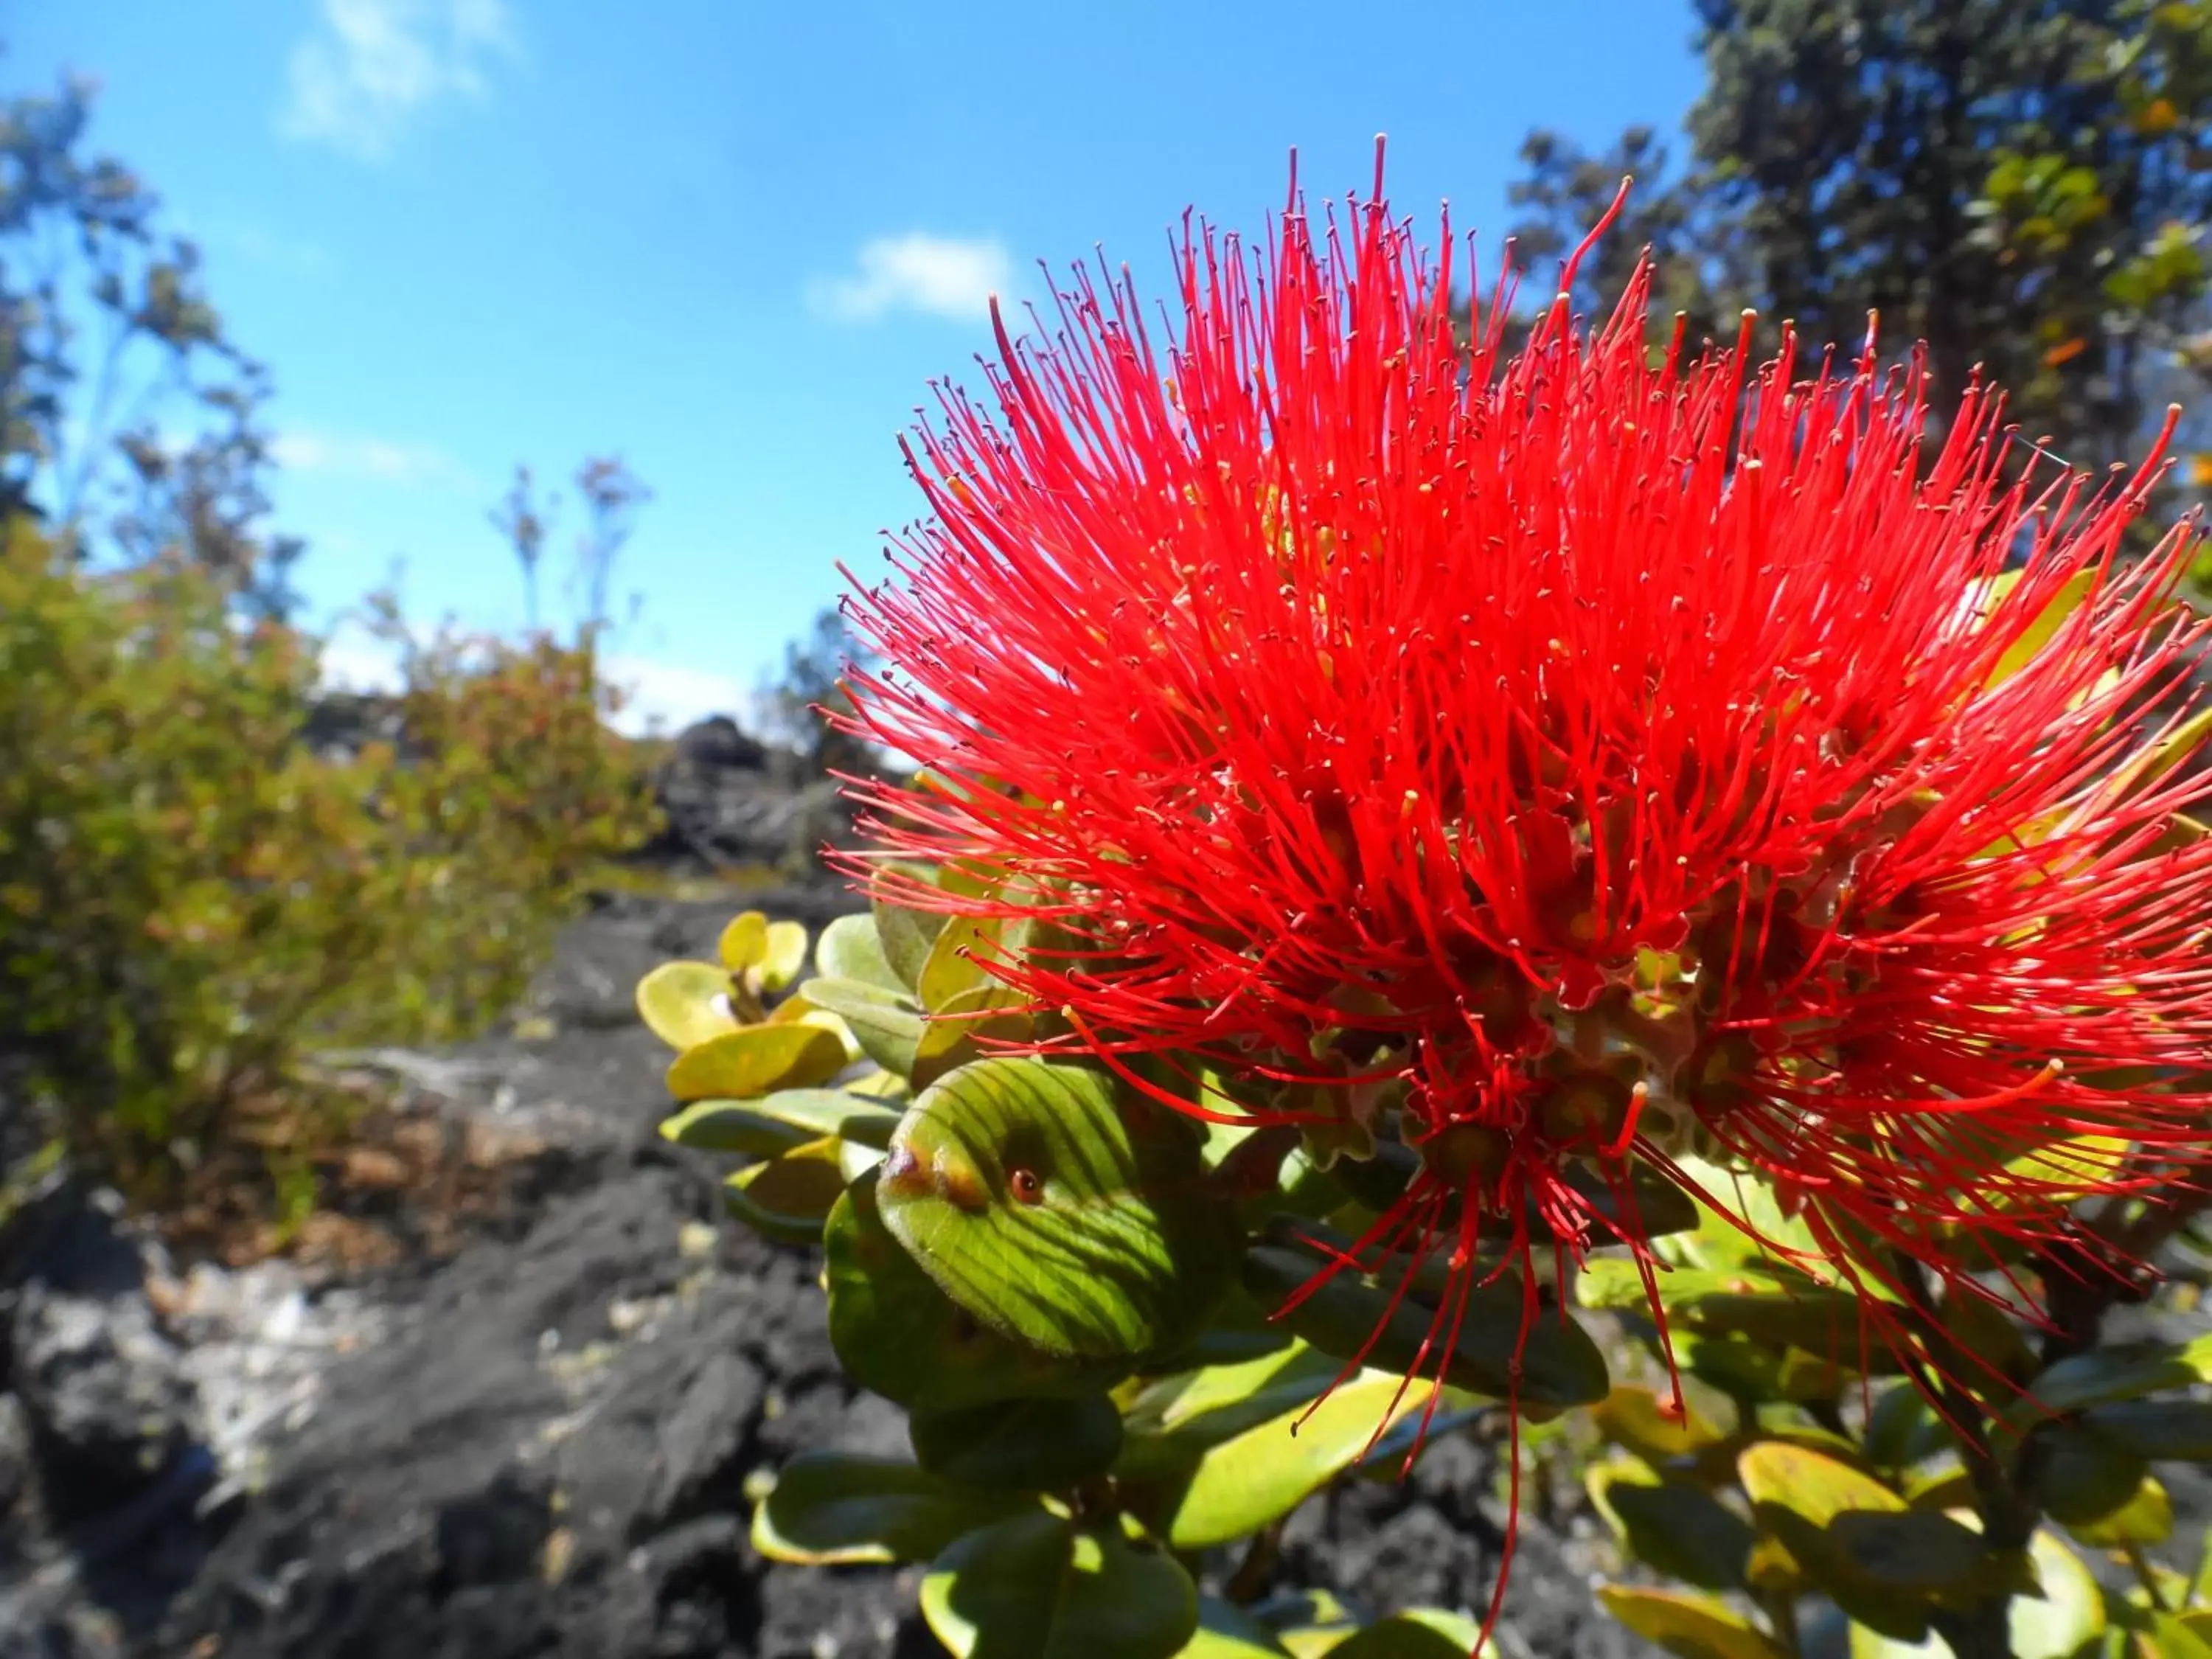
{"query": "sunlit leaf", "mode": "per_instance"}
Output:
(783, 955)
(1226, 1630)
(1417, 1633)
(885, 1023)
(1558, 1364)
(829, 1507)
(755, 1059)
(685, 1004)
(2080, 1476)
(828, 1112)
(849, 948)
(788, 1198)
(2146, 1517)
(1691, 1626)
(1257, 1477)
(904, 935)
(744, 942)
(1638, 1420)
(729, 1126)
(897, 1334)
(1680, 1530)
(1060, 1207)
(1039, 1586)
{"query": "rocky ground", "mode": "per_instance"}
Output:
(530, 1431)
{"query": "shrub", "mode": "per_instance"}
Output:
(190, 903)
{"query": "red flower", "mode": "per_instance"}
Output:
(1631, 752)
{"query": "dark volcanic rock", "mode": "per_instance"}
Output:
(542, 1446)
(732, 801)
(100, 1384)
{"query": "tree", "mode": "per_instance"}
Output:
(814, 667)
(2022, 183)
(612, 495)
(130, 424)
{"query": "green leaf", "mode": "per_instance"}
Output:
(1023, 1446)
(1755, 1373)
(1797, 1496)
(2184, 1636)
(1039, 1586)
(849, 948)
(2081, 1477)
(836, 1507)
(2044, 627)
(2180, 1430)
(743, 941)
(961, 1032)
(1903, 1429)
(905, 935)
(1559, 1364)
(1691, 1626)
(2146, 1517)
(1060, 1208)
(898, 1335)
(829, 1112)
(2106, 1375)
(2067, 1615)
(2060, 1623)
(1636, 1420)
(755, 1059)
(887, 1026)
(1259, 1476)
(1173, 1421)
(728, 1126)
(1918, 1551)
(783, 955)
(685, 1004)
(954, 972)
(1417, 1633)
(1671, 1526)
(1225, 1630)
(788, 1198)
(1769, 1304)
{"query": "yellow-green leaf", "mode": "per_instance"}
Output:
(1680, 1530)
(788, 1198)
(1690, 1626)
(1257, 1477)
(783, 955)
(835, 1507)
(744, 942)
(685, 1004)
(754, 1060)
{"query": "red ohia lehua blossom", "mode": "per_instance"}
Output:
(1621, 753)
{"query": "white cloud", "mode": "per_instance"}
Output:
(943, 275)
(663, 695)
(374, 460)
(355, 662)
(357, 82)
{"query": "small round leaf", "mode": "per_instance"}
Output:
(754, 1060)
(685, 1004)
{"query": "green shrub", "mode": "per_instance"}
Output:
(191, 903)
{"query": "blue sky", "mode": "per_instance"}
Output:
(732, 242)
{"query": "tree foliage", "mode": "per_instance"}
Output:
(2024, 184)
(131, 423)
